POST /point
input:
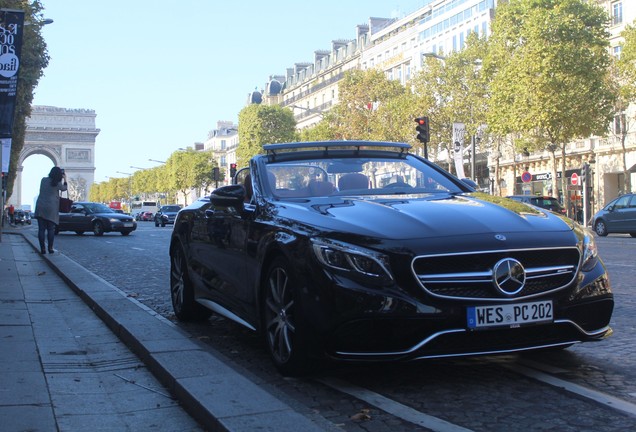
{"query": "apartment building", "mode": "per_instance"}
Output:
(223, 142)
(398, 45)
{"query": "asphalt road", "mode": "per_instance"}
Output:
(589, 387)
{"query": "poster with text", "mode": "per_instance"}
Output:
(11, 27)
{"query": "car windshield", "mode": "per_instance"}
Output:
(98, 208)
(356, 176)
(170, 208)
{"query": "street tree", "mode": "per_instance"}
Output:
(361, 94)
(34, 59)
(263, 124)
(321, 131)
(625, 80)
(188, 169)
(549, 63)
(455, 91)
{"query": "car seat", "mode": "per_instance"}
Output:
(353, 181)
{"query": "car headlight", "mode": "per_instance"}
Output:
(355, 260)
(590, 252)
(113, 220)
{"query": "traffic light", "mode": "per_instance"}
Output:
(585, 173)
(216, 174)
(232, 170)
(4, 181)
(422, 129)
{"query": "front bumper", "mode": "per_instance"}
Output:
(372, 325)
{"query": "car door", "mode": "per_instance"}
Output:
(218, 244)
(618, 215)
(629, 219)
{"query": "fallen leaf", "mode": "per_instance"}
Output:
(363, 415)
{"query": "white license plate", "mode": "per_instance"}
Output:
(128, 224)
(510, 315)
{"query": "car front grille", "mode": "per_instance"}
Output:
(470, 276)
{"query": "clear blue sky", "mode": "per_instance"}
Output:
(159, 74)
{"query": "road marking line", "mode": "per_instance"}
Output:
(597, 396)
(136, 248)
(392, 407)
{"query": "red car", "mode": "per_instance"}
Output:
(145, 216)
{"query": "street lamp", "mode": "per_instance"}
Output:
(155, 160)
(434, 55)
(309, 110)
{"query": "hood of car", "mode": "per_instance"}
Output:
(403, 217)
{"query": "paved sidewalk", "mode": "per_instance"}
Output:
(77, 354)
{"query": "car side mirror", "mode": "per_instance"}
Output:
(229, 196)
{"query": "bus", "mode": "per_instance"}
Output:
(143, 206)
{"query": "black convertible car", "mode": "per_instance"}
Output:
(362, 251)
(97, 218)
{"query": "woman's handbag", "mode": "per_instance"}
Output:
(65, 204)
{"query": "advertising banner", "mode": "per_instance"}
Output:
(6, 153)
(459, 130)
(11, 28)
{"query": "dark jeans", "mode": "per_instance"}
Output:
(49, 227)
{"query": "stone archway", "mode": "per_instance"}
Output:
(67, 137)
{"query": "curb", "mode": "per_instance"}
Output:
(217, 396)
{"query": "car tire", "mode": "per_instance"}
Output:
(600, 228)
(79, 232)
(98, 228)
(182, 292)
(282, 326)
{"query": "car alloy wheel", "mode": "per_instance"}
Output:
(282, 325)
(181, 290)
(98, 228)
(600, 228)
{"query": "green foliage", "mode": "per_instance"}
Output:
(34, 58)
(453, 89)
(189, 169)
(549, 64)
(626, 65)
(263, 124)
(321, 131)
(362, 95)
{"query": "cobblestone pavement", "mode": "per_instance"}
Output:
(478, 394)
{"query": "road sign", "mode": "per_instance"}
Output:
(574, 179)
(526, 177)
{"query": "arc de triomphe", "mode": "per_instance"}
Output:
(67, 137)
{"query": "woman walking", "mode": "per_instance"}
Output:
(47, 207)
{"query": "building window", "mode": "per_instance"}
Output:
(619, 124)
(616, 51)
(223, 144)
(617, 13)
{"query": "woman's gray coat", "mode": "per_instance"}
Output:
(47, 205)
